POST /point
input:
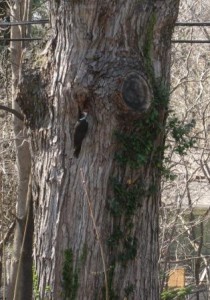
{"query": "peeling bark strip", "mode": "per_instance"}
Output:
(112, 60)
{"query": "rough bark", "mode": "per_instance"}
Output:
(110, 59)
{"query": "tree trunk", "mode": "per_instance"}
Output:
(20, 279)
(96, 216)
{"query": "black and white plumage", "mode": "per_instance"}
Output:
(80, 132)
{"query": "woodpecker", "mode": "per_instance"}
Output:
(80, 132)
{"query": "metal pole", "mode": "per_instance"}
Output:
(23, 39)
(192, 24)
(41, 21)
(191, 41)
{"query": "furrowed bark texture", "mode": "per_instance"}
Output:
(102, 57)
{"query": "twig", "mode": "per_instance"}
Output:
(97, 233)
(183, 260)
(12, 111)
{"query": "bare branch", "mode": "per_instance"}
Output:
(12, 111)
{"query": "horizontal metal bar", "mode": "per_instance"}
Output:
(45, 21)
(192, 24)
(41, 21)
(21, 39)
(173, 41)
(191, 41)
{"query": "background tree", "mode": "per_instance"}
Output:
(19, 255)
(185, 212)
(20, 280)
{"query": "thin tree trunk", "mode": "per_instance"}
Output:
(20, 281)
(97, 237)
